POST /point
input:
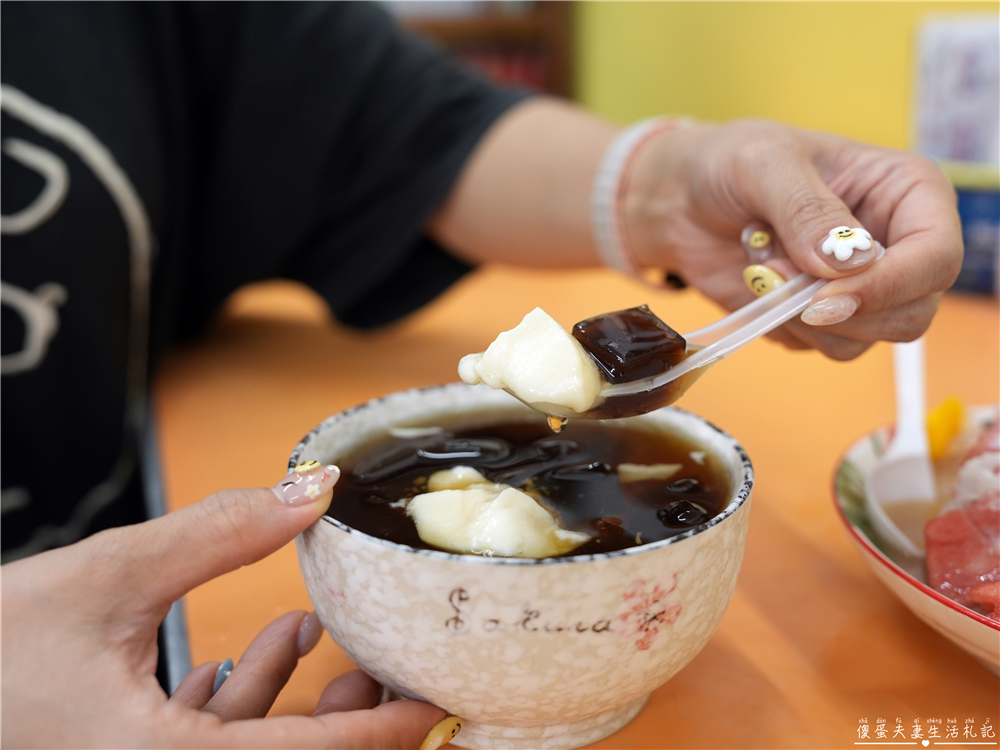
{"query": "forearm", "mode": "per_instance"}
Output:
(524, 196)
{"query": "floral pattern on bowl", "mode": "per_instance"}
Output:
(649, 611)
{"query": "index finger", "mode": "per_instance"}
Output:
(166, 557)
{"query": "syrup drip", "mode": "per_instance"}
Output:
(557, 424)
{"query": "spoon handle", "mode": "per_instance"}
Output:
(908, 364)
(737, 329)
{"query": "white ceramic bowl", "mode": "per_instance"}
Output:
(553, 653)
(976, 634)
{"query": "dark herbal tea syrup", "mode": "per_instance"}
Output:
(574, 472)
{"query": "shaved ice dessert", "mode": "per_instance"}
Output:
(963, 540)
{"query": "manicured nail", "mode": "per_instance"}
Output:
(306, 482)
(761, 279)
(758, 242)
(444, 731)
(222, 674)
(831, 310)
(309, 634)
(846, 247)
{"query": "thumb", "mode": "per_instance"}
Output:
(818, 231)
(167, 557)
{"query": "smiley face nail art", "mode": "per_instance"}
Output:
(761, 279)
(307, 482)
(759, 239)
(843, 241)
(846, 248)
(444, 731)
(759, 242)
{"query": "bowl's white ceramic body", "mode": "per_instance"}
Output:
(552, 653)
(976, 634)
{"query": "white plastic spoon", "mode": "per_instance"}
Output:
(706, 346)
(903, 480)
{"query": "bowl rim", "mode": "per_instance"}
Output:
(862, 539)
(737, 500)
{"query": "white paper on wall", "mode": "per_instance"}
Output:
(958, 89)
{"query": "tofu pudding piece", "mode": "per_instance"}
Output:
(607, 486)
(563, 374)
(538, 362)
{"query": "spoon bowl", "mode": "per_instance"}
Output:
(900, 491)
(705, 347)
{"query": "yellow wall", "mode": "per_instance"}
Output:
(843, 67)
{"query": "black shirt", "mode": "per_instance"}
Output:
(158, 156)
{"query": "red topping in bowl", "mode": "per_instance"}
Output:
(963, 542)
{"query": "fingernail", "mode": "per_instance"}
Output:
(222, 674)
(761, 279)
(307, 482)
(758, 242)
(831, 310)
(444, 731)
(310, 632)
(846, 247)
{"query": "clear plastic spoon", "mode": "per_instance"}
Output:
(705, 347)
(901, 486)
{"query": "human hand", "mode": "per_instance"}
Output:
(692, 191)
(80, 651)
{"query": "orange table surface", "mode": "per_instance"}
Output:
(811, 643)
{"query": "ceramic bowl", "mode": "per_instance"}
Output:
(971, 631)
(553, 653)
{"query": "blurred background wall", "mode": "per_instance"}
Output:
(845, 67)
(920, 75)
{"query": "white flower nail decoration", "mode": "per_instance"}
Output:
(843, 241)
(312, 490)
